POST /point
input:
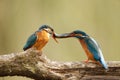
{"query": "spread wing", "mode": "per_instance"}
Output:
(30, 42)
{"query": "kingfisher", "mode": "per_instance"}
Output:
(90, 46)
(39, 38)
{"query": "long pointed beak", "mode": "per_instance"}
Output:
(53, 36)
(65, 35)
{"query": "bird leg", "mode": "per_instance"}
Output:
(86, 61)
(96, 62)
(99, 63)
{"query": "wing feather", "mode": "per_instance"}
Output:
(94, 48)
(96, 51)
(30, 42)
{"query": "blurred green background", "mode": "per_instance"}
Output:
(99, 18)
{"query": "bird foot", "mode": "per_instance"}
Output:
(86, 61)
(95, 62)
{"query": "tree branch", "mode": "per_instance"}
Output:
(35, 65)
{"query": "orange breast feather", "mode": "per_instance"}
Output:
(88, 53)
(42, 39)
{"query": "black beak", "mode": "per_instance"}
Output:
(53, 36)
(65, 35)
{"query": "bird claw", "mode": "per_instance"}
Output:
(86, 61)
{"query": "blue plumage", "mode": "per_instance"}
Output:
(93, 47)
(39, 38)
(95, 50)
(30, 42)
(89, 44)
(79, 32)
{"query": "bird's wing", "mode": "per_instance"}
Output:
(31, 40)
(96, 51)
(94, 48)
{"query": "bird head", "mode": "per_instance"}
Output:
(77, 33)
(49, 30)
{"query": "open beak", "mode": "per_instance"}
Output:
(53, 36)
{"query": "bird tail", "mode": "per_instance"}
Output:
(103, 63)
(25, 47)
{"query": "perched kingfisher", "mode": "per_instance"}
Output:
(39, 39)
(89, 45)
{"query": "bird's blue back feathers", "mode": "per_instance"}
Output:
(31, 40)
(95, 50)
(80, 32)
(93, 47)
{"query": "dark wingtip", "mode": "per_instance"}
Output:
(24, 49)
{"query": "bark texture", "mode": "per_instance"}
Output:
(35, 65)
